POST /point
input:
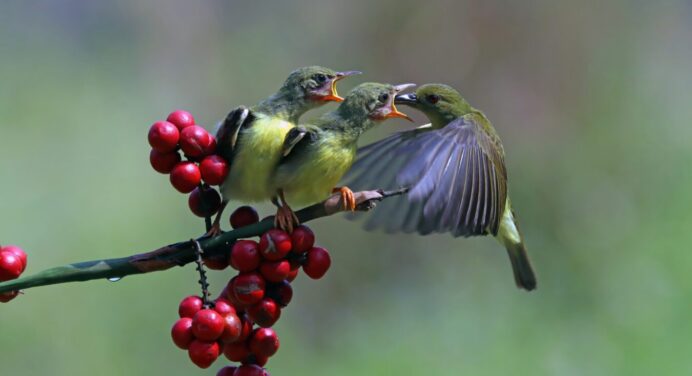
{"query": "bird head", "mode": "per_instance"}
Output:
(372, 102)
(315, 85)
(441, 103)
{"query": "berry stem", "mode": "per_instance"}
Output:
(202, 274)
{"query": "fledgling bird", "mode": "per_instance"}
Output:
(316, 156)
(455, 170)
(250, 139)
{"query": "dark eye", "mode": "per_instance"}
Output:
(320, 78)
(432, 98)
(383, 97)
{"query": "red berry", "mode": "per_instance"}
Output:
(18, 252)
(245, 256)
(250, 370)
(282, 293)
(275, 271)
(293, 274)
(265, 313)
(203, 354)
(239, 306)
(256, 359)
(302, 239)
(204, 202)
(190, 306)
(181, 119)
(236, 352)
(11, 266)
(196, 141)
(264, 342)
(275, 244)
(224, 307)
(247, 328)
(185, 177)
(248, 288)
(244, 216)
(163, 136)
(317, 263)
(216, 263)
(182, 333)
(226, 371)
(233, 328)
(207, 325)
(7, 296)
(163, 162)
(214, 169)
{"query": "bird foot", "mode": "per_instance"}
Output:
(348, 199)
(286, 219)
(215, 230)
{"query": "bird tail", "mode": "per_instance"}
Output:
(524, 276)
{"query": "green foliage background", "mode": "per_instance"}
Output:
(591, 98)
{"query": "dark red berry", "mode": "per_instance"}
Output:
(275, 271)
(275, 244)
(204, 202)
(163, 136)
(248, 288)
(233, 328)
(7, 296)
(293, 274)
(265, 313)
(185, 177)
(226, 371)
(236, 352)
(216, 263)
(181, 119)
(302, 239)
(207, 325)
(18, 252)
(245, 256)
(11, 266)
(256, 359)
(163, 162)
(264, 342)
(239, 306)
(182, 333)
(244, 216)
(317, 263)
(202, 353)
(190, 306)
(249, 370)
(247, 328)
(282, 293)
(214, 169)
(224, 307)
(196, 141)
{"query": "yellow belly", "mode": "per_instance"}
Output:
(257, 153)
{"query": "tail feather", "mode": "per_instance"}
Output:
(524, 276)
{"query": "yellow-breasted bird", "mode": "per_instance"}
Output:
(250, 139)
(455, 170)
(316, 156)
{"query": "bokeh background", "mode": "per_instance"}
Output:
(592, 100)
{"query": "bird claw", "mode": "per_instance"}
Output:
(348, 199)
(215, 230)
(285, 219)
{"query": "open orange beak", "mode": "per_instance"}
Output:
(394, 112)
(333, 94)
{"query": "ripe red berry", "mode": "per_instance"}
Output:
(293, 274)
(275, 271)
(7, 296)
(203, 354)
(163, 136)
(11, 266)
(215, 263)
(224, 307)
(302, 239)
(265, 313)
(204, 202)
(189, 306)
(182, 333)
(256, 359)
(250, 370)
(185, 177)
(18, 252)
(236, 351)
(207, 325)
(248, 288)
(244, 216)
(264, 342)
(181, 119)
(214, 169)
(226, 371)
(245, 255)
(275, 244)
(233, 328)
(317, 263)
(281, 292)
(196, 141)
(163, 162)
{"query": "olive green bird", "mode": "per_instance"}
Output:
(315, 157)
(455, 170)
(250, 139)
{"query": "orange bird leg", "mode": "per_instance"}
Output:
(216, 226)
(285, 218)
(348, 199)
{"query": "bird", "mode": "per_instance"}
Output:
(315, 156)
(250, 139)
(454, 169)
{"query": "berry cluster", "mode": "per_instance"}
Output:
(12, 265)
(238, 323)
(179, 132)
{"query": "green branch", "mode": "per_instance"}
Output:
(181, 253)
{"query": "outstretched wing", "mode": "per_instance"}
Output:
(456, 176)
(229, 131)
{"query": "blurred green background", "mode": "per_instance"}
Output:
(592, 100)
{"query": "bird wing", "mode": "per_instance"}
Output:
(229, 129)
(296, 140)
(456, 178)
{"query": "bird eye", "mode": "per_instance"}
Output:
(383, 97)
(320, 78)
(432, 98)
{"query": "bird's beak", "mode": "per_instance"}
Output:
(394, 112)
(409, 99)
(333, 94)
